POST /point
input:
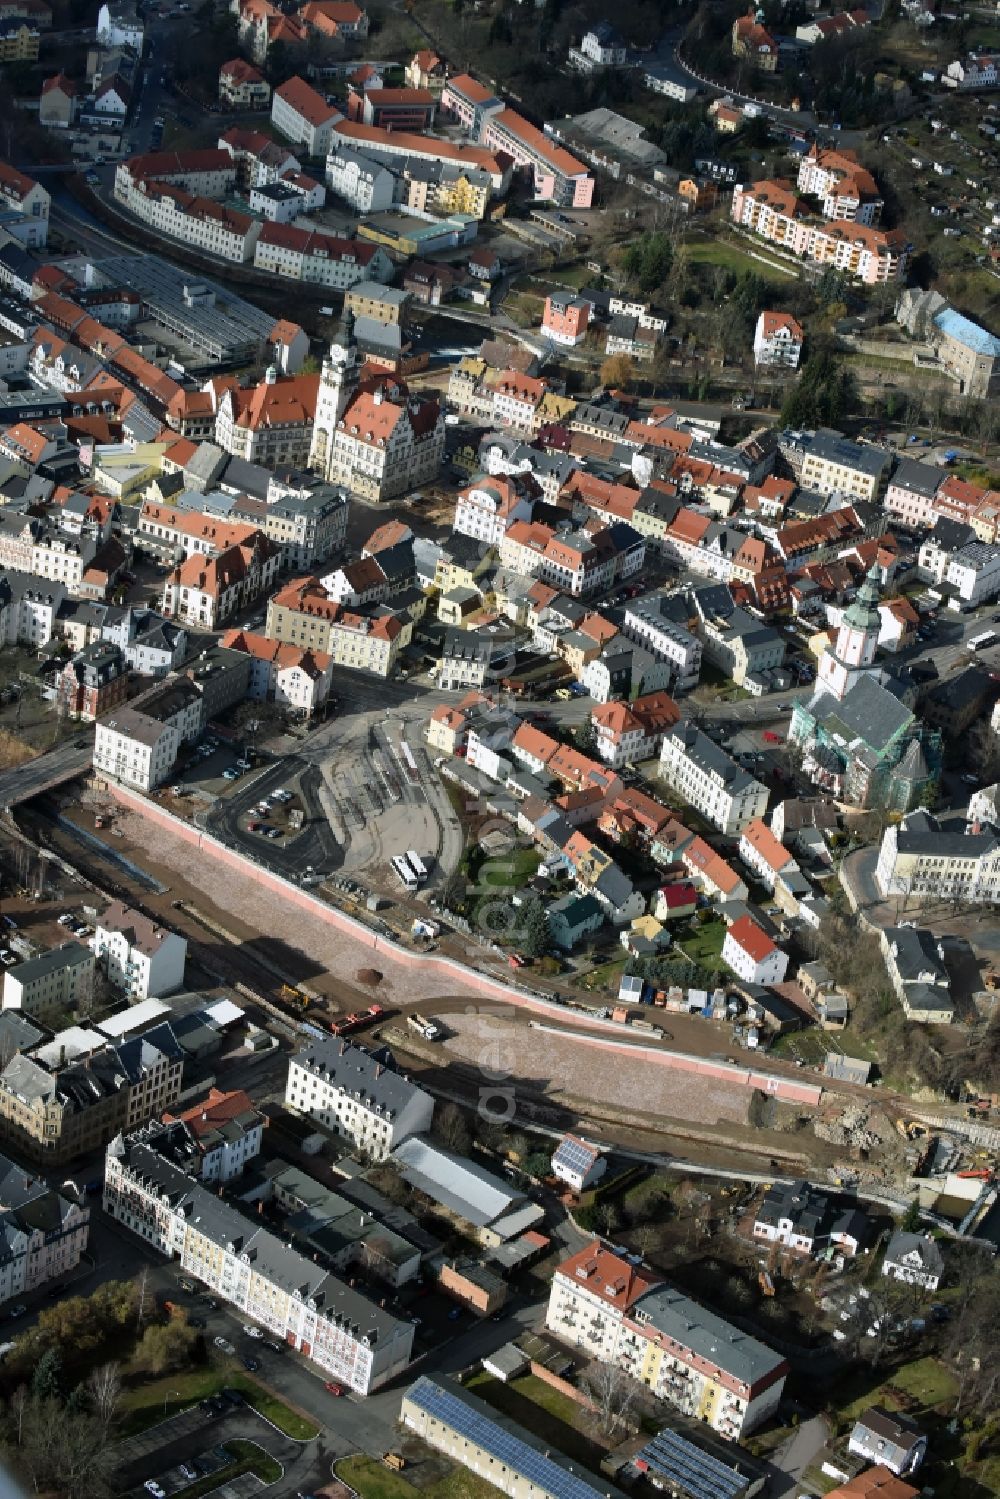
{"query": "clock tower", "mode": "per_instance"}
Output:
(857, 638)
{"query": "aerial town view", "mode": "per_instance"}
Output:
(499, 749)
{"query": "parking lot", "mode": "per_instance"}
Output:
(171, 1456)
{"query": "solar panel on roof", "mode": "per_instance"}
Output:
(574, 1155)
(459, 1414)
(701, 1475)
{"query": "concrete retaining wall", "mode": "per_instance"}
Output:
(454, 976)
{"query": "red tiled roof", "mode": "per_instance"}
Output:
(304, 99)
(751, 938)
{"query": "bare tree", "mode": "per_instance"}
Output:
(105, 1388)
(613, 1394)
(18, 1403)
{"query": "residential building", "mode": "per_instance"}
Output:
(914, 961)
(890, 1439)
(206, 590)
(43, 1233)
(694, 766)
(578, 1163)
(565, 318)
(47, 986)
(303, 116)
(30, 202)
(764, 853)
(628, 732)
(318, 258)
(573, 918)
(653, 623)
(289, 675)
(294, 1298)
(450, 1419)
(151, 644)
(364, 182)
(833, 464)
(392, 108)
(923, 861)
(93, 681)
(846, 189)
(305, 518)
(777, 340)
(426, 70)
(752, 955)
(771, 210)
(54, 1107)
(371, 436)
(600, 47)
(874, 1483)
(203, 173)
(619, 1313)
(303, 614)
(754, 43)
(57, 102)
(915, 1259)
(143, 959)
(132, 747)
(19, 41)
(242, 86)
(344, 1090)
(973, 73)
(800, 1218)
(556, 174)
(225, 1130)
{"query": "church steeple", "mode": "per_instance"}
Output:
(857, 640)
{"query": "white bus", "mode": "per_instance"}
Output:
(404, 872)
(980, 642)
(417, 864)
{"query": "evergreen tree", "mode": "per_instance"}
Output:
(535, 940)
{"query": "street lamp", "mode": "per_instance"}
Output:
(167, 1397)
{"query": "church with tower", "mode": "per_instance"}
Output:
(859, 737)
(370, 435)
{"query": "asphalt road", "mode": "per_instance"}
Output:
(71, 758)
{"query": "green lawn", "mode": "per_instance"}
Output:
(703, 943)
(373, 1480)
(925, 1380)
(146, 1404)
(720, 252)
(511, 871)
(605, 975)
(548, 1414)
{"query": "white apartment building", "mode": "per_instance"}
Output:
(646, 625)
(752, 955)
(486, 508)
(134, 748)
(55, 981)
(303, 116)
(847, 189)
(317, 258)
(345, 1091)
(28, 613)
(143, 959)
(366, 184)
(345, 1337)
(922, 861)
(208, 226)
(684, 1354)
(30, 201)
(43, 1233)
(225, 1131)
(973, 73)
(777, 341)
(764, 853)
(722, 791)
(974, 573)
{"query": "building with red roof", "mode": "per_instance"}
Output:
(292, 676)
(303, 116)
(777, 340)
(752, 955)
(225, 1131)
(242, 86)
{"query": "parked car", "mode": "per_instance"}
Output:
(17, 1310)
(332, 1388)
(251, 1365)
(224, 1345)
(274, 1345)
(251, 1331)
(230, 774)
(154, 1488)
(186, 1471)
(234, 1397)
